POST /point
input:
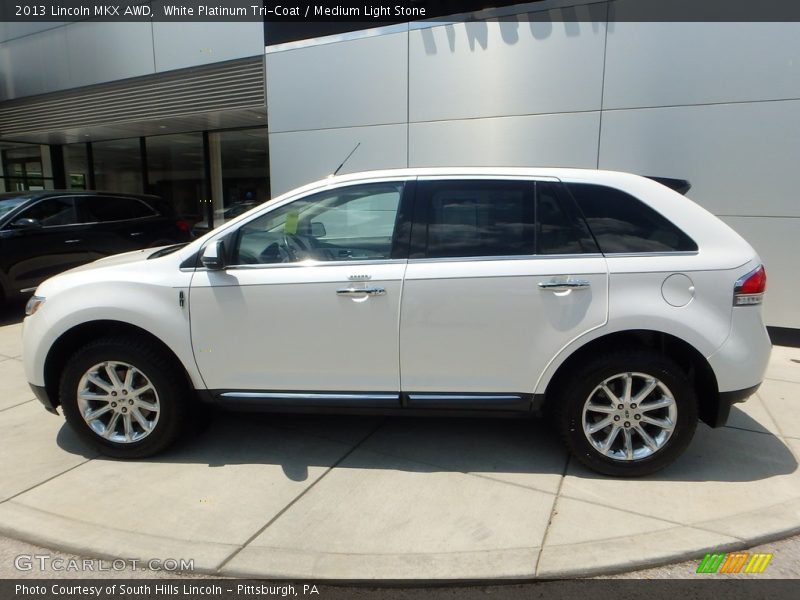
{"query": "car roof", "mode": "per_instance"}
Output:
(38, 194)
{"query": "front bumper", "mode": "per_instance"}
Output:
(41, 394)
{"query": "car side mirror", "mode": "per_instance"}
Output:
(318, 229)
(213, 257)
(26, 224)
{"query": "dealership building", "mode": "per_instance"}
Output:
(217, 115)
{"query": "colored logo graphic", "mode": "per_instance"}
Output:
(735, 562)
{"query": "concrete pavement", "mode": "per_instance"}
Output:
(368, 498)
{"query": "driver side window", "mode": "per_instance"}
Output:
(344, 224)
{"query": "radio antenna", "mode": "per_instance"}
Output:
(339, 168)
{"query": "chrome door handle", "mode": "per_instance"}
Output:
(563, 286)
(352, 291)
(135, 233)
(72, 241)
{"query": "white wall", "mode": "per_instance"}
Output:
(716, 103)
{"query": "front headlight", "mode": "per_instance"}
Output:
(34, 304)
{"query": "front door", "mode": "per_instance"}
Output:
(307, 311)
(503, 274)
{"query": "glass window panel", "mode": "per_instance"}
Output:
(245, 171)
(623, 224)
(118, 166)
(175, 171)
(76, 166)
(52, 212)
(479, 218)
(361, 220)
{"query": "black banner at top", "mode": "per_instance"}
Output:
(391, 11)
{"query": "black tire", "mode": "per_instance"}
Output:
(169, 391)
(585, 381)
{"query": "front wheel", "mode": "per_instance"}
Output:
(121, 396)
(627, 413)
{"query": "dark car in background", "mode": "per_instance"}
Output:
(46, 232)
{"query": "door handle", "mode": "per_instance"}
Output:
(72, 241)
(352, 291)
(563, 286)
(135, 233)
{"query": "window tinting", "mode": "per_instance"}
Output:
(560, 230)
(100, 209)
(52, 212)
(479, 218)
(621, 223)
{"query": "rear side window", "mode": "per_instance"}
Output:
(559, 227)
(100, 209)
(622, 224)
(477, 218)
(487, 218)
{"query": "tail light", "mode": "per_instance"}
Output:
(182, 226)
(749, 288)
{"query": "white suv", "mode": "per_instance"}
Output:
(605, 300)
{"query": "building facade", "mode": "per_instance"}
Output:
(214, 115)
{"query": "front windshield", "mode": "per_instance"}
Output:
(9, 204)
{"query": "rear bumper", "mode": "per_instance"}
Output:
(741, 362)
(41, 394)
(728, 399)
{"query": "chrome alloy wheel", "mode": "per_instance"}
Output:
(118, 402)
(629, 416)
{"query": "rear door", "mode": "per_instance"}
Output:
(503, 273)
(116, 223)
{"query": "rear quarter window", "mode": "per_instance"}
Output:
(623, 224)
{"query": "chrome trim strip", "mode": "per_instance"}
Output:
(499, 258)
(307, 396)
(315, 263)
(650, 254)
(464, 397)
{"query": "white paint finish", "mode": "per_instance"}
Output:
(773, 238)
(740, 158)
(677, 290)
(189, 44)
(486, 326)
(665, 64)
(568, 140)
(489, 68)
(300, 157)
(742, 360)
(125, 287)
(102, 51)
(363, 82)
(285, 328)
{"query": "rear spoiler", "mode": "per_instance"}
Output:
(679, 185)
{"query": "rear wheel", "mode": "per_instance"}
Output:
(628, 413)
(123, 396)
